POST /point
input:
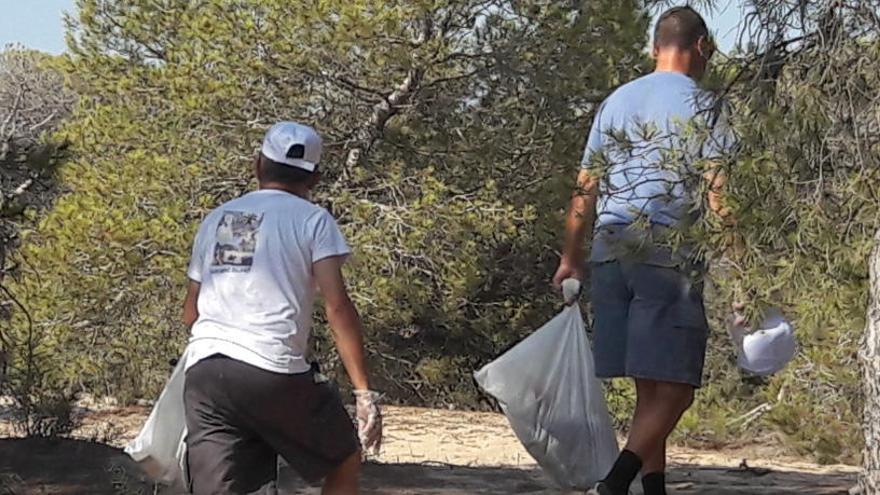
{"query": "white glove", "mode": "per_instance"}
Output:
(369, 419)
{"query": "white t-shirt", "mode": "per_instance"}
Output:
(253, 257)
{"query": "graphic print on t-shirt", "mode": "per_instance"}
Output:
(236, 240)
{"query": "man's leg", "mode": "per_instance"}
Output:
(304, 420)
(659, 406)
(344, 479)
(222, 456)
(655, 462)
(655, 420)
(666, 344)
(629, 463)
(611, 298)
(646, 396)
(653, 423)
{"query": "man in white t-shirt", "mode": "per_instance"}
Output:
(250, 393)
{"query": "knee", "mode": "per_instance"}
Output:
(687, 399)
(678, 396)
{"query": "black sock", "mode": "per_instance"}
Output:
(654, 484)
(623, 473)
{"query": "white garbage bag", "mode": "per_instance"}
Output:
(548, 390)
(766, 350)
(160, 446)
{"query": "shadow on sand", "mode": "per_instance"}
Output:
(67, 467)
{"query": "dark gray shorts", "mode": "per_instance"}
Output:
(649, 323)
(240, 418)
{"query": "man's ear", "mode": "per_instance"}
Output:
(705, 47)
(655, 51)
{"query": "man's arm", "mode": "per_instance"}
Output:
(191, 304)
(345, 323)
(717, 180)
(578, 225)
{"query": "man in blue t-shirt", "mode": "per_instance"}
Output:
(652, 144)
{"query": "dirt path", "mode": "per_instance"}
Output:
(426, 452)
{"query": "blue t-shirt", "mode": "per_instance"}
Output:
(646, 138)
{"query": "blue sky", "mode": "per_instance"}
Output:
(38, 23)
(34, 23)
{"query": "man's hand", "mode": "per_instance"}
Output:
(739, 316)
(369, 419)
(567, 269)
(716, 178)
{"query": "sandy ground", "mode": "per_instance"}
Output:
(425, 452)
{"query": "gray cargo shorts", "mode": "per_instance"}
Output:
(650, 322)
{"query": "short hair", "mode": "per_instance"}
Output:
(272, 171)
(679, 27)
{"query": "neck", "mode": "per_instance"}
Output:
(298, 190)
(673, 60)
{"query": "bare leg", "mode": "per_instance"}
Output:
(646, 396)
(656, 462)
(659, 408)
(346, 478)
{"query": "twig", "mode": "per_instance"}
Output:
(751, 416)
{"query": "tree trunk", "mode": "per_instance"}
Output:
(869, 356)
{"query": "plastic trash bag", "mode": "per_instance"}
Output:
(768, 349)
(548, 390)
(160, 447)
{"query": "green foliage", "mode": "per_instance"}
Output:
(804, 192)
(452, 130)
(33, 102)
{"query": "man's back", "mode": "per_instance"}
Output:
(647, 131)
(253, 257)
(249, 394)
(642, 166)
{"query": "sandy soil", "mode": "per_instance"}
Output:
(425, 452)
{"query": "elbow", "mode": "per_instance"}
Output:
(191, 305)
(335, 310)
(340, 309)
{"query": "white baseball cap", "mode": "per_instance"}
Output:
(293, 144)
(768, 349)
